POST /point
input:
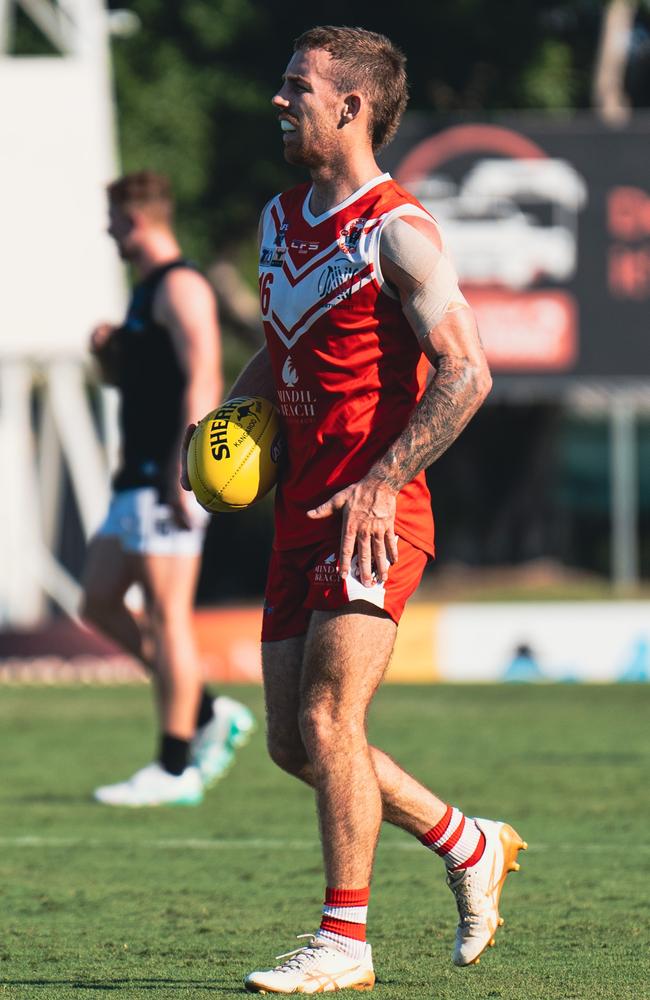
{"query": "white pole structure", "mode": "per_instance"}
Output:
(50, 473)
(624, 494)
(57, 153)
(21, 599)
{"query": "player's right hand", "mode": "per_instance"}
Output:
(100, 336)
(185, 481)
(368, 527)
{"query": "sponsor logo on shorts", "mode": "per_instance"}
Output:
(326, 573)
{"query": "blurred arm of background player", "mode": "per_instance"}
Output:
(186, 306)
(446, 330)
(102, 348)
(256, 379)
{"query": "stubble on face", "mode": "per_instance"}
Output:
(313, 106)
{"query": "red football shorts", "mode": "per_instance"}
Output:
(304, 580)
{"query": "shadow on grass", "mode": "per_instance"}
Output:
(146, 983)
(51, 799)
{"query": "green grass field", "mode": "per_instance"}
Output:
(180, 903)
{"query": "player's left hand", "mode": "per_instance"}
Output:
(368, 509)
(184, 478)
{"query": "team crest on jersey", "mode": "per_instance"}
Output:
(350, 235)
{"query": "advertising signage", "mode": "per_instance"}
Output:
(548, 223)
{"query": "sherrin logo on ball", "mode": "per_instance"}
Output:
(234, 454)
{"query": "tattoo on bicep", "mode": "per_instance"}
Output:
(449, 402)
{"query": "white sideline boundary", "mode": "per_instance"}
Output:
(258, 844)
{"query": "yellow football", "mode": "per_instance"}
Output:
(234, 454)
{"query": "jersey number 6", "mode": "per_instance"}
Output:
(265, 292)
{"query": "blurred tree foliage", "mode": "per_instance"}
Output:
(194, 84)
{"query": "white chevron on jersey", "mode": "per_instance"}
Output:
(291, 336)
(299, 296)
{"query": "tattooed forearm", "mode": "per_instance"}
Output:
(448, 404)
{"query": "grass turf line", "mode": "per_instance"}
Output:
(113, 901)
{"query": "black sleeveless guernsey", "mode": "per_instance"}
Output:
(151, 384)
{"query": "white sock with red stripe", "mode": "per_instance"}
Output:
(344, 920)
(456, 839)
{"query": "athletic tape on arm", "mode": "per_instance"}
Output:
(437, 282)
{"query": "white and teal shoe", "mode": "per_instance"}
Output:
(153, 786)
(213, 747)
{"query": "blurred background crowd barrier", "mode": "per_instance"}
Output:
(528, 139)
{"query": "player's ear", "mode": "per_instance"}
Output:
(351, 108)
(136, 217)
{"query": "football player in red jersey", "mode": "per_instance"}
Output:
(359, 302)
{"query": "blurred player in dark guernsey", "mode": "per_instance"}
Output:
(360, 303)
(165, 361)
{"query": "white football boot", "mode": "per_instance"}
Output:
(318, 967)
(213, 747)
(477, 890)
(153, 786)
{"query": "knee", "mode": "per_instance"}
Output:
(315, 726)
(290, 756)
(166, 617)
(326, 725)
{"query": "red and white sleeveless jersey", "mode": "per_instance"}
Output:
(348, 368)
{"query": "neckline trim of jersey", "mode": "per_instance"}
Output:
(315, 220)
